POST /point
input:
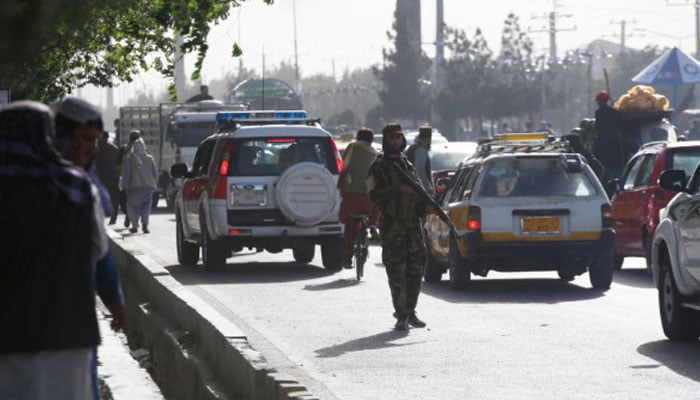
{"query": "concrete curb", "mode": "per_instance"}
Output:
(195, 353)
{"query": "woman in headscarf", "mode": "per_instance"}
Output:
(51, 237)
(140, 182)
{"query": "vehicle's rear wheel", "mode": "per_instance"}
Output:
(304, 251)
(460, 274)
(679, 323)
(647, 252)
(600, 272)
(618, 261)
(213, 253)
(433, 269)
(330, 253)
(187, 253)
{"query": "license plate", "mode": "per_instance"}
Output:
(540, 225)
(248, 197)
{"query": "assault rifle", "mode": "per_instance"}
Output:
(425, 196)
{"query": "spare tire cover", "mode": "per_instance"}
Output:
(306, 193)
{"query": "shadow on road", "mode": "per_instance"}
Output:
(336, 284)
(638, 277)
(250, 272)
(535, 290)
(373, 342)
(681, 358)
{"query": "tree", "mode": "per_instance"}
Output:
(50, 47)
(514, 90)
(405, 67)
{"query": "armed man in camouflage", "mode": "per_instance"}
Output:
(401, 209)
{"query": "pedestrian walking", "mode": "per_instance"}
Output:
(419, 154)
(78, 128)
(401, 209)
(124, 151)
(53, 233)
(140, 182)
(353, 189)
(108, 172)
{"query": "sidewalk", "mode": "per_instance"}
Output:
(121, 375)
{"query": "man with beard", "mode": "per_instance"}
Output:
(401, 209)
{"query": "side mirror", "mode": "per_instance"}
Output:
(178, 170)
(673, 180)
(441, 184)
(612, 186)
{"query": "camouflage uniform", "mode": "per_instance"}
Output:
(403, 248)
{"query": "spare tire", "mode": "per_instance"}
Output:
(306, 194)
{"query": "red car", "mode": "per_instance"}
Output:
(445, 158)
(638, 197)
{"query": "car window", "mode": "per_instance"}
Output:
(646, 169)
(533, 177)
(685, 159)
(452, 192)
(631, 174)
(272, 156)
(202, 158)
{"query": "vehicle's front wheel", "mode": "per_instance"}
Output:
(213, 253)
(679, 323)
(460, 275)
(187, 253)
(330, 253)
(566, 275)
(304, 251)
(600, 272)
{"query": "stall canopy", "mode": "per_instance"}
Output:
(673, 68)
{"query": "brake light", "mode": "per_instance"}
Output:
(338, 158)
(474, 218)
(220, 189)
(224, 168)
(281, 140)
(606, 215)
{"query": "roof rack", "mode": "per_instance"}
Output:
(529, 142)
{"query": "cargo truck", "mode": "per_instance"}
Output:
(172, 133)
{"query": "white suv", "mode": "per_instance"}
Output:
(675, 257)
(267, 181)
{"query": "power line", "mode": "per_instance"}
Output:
(552, 28)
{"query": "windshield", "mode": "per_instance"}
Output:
(440, 161)
(191, 134)
(533, 177)
(271, 156)
(685, 159)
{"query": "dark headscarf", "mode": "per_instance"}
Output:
(27, 154)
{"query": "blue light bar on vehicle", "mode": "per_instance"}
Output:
(250, 116)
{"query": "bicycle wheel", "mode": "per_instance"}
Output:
(360, 247)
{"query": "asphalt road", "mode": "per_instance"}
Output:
(510, 335)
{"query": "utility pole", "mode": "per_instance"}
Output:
(552, 29)
(439, 58)
(696, 4)
(623, 32)
(297, 81)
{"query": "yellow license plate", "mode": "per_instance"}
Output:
(540, 225)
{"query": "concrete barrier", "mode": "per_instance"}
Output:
(195, 353)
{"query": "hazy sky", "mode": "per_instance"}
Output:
(352, 33)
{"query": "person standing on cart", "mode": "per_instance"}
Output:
(608, 146)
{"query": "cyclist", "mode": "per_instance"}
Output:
(353, 188)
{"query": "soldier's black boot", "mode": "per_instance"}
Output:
(415, 322)
(401, 323)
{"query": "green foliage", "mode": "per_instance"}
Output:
(405, 67)
(51, 47)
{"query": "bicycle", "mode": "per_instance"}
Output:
(360, 243)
